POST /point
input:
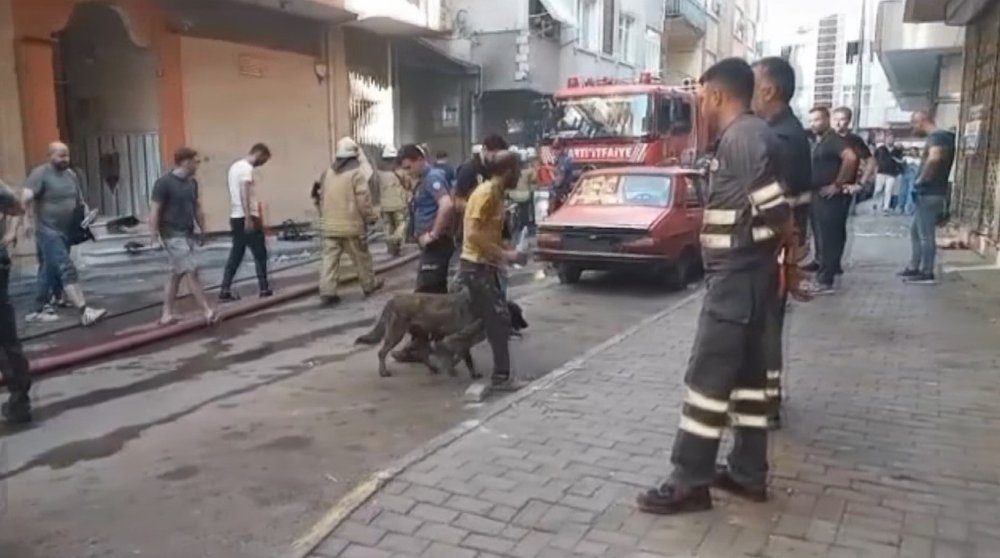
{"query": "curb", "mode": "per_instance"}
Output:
(363, 491)
(79, 356)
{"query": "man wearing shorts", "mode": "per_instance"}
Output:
(174, 212)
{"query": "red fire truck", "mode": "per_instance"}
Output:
(605, 122)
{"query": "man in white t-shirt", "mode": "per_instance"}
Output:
(245, 222)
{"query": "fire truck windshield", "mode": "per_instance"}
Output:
(602, 116)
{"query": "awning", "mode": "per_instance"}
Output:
(422, 54)
(561, 11)
(965, 12)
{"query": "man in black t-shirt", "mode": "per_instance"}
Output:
(931, 192)
(834, 168)
(888, 171)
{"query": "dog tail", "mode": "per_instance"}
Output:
(377, 333)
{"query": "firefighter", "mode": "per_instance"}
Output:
(745, 210)
(774, 81)
(395, 200)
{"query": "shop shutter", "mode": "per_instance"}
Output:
(975, 198)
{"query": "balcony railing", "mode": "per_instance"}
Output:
(690, 11)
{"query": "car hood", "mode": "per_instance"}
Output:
(605, 216)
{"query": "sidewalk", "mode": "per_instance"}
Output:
(891, 444)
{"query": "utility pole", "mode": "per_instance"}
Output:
(860, 78)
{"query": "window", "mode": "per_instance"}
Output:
(853, 51)
(609, 27)
(654, 51)
(602, 116)
(589, 24)
(866, 97)
(626, 38)
(623, 189)
(739, 25)
(693, 192)
(674, 117)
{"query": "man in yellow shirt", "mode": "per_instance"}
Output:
(483, 257)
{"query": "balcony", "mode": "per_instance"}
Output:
(397, 17)
(911, 52)
(687, 22)
(953, 12)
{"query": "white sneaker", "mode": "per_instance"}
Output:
(46, 316)
(91, 315)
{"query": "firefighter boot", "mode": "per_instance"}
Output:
(669, 499)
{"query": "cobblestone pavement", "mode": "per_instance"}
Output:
(891, 446)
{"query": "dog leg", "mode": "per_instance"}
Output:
(394, 334)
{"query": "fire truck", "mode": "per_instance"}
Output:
(605, 122)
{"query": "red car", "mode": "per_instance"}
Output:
(628, 217)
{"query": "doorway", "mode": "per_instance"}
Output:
(106, 90)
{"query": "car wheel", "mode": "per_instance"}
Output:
(568, 274)
(684, 271)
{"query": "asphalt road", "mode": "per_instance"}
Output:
(234, 444)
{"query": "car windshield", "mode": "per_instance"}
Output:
(623, 189)
(602, 116)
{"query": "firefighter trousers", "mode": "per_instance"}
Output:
(726, 380)
(774, 353)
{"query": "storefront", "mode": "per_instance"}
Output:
(974, 204)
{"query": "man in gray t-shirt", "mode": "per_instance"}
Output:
(51, 195)
(174, 212)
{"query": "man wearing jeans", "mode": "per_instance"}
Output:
(13, 364)
(930, 190)
(51, 198)
(245, 222)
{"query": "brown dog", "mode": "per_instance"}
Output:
(436, 314)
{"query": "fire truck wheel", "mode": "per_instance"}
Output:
(568, 274)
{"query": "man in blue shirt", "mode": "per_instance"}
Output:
(563, 184)
(441, 163)
(431, 221)
(930, 191)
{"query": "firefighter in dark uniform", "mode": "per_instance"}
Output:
(431, 224)
(774, 81)
(745, 214)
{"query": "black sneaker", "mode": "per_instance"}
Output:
(227, 296)
(908, 273)
(671, 500)
(266, 293)
(811, 267)
(329, 300)
(921, 279)
(16, 414)
(724, 481)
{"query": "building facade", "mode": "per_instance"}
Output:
(945, 58)
(528, 49)
(700, 32)
(827, 54)
(126, 82)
